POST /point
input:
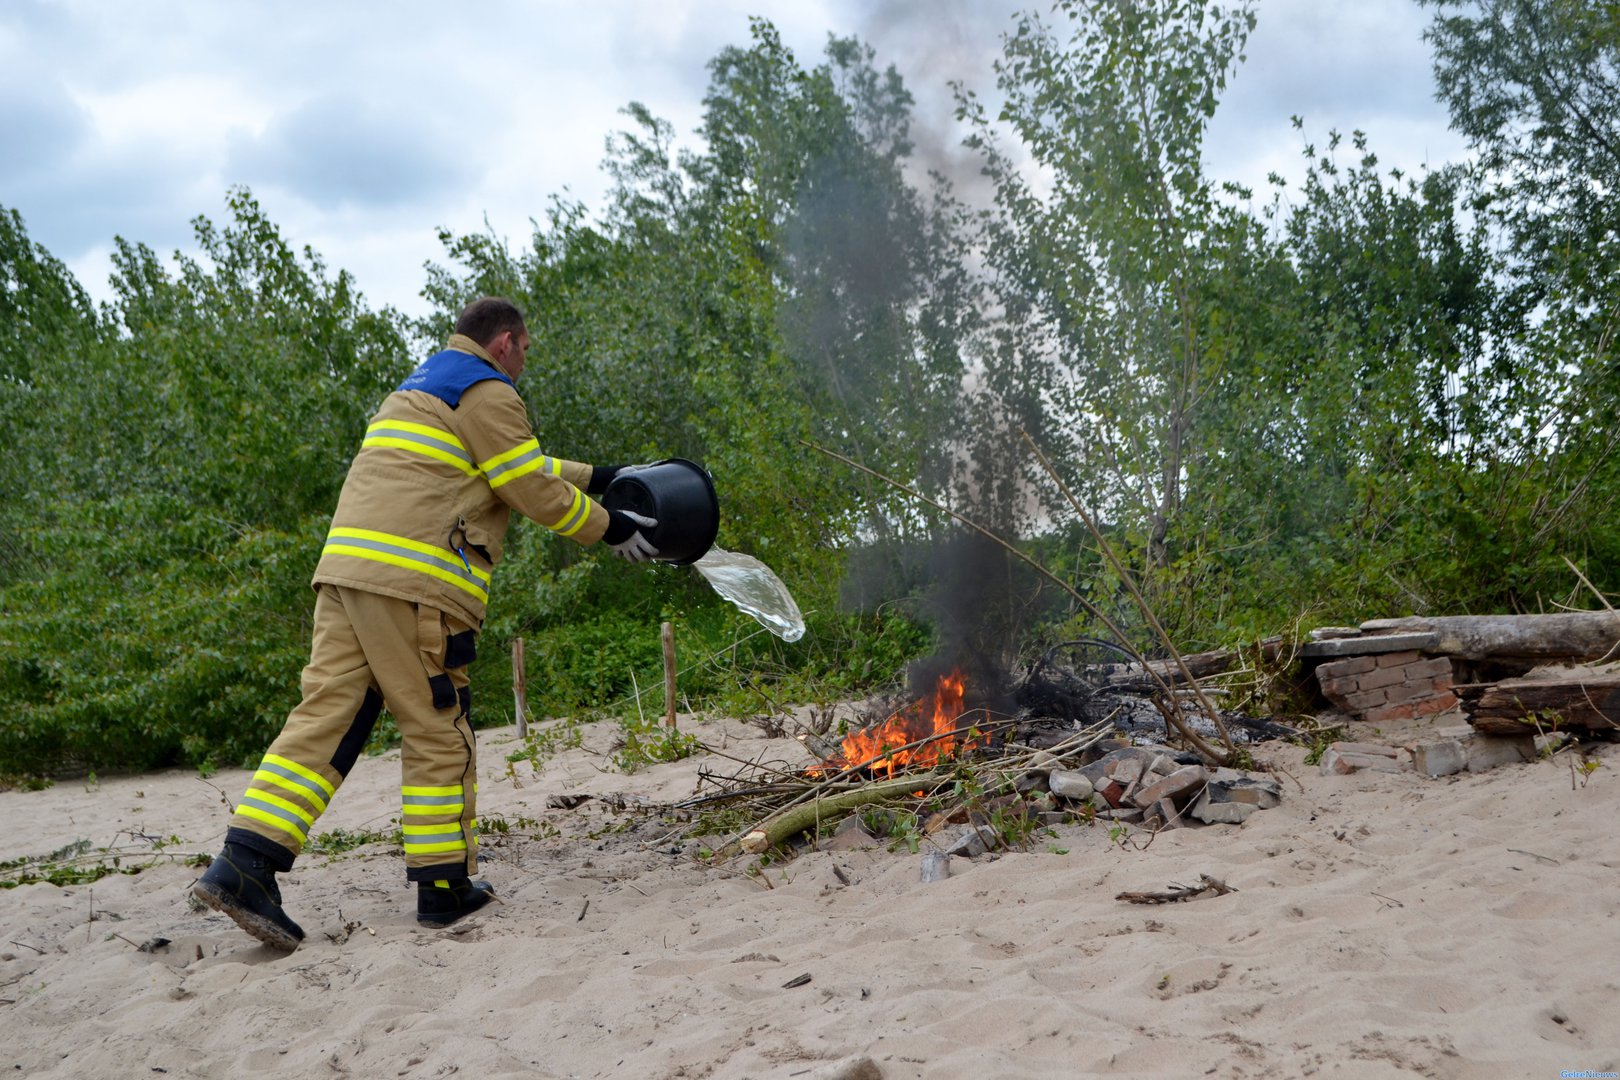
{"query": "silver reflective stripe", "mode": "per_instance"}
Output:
(418, 437)
(453, 566)
(546, 464)
(581, 508)
(299, 825)
(303, 782)
(434, 800)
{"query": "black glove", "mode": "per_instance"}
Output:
(624, 535)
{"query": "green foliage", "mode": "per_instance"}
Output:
(339, 841)
(648, 742)
(1371, 396)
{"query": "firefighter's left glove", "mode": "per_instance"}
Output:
(625, 535)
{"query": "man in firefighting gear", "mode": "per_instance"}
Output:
(400, 593)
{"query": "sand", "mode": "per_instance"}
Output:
(1381, 925)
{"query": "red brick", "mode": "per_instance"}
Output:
(1369, 699)
(1353, 666)
(1338, 686)
(1181, 784)
(1385, 713)
(1439, 704)
(1431, 669)
(1373, 680)
(1398, 659)
(1410, 691)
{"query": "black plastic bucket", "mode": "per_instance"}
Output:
(679, 494)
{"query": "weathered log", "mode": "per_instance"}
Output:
(1571, 635)
(1564, 699)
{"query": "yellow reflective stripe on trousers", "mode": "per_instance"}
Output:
(422, 801)
(431, 839)
(438, 562)
(519, 461)
(276, 811)
(421, 439)
(288, 774)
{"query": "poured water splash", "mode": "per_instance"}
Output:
(750, 584)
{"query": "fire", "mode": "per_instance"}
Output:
(887, 747)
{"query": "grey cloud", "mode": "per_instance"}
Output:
(74, 212)
(335, 153)
(41, 129)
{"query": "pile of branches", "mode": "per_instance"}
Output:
(781, 803)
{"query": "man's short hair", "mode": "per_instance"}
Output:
(488, 317)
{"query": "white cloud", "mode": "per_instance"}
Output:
(364, 126)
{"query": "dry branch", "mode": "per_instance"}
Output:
(1206, 887)
(797, 819)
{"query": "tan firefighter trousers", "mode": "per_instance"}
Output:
(369, 651)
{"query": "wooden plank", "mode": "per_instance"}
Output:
(520, 689)
(1573, 699)
(1569, 635)
(667, 632)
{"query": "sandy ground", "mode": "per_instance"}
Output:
(1382, 925)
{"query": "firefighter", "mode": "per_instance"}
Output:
(400, 591)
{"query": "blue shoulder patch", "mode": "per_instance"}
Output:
(447, 375)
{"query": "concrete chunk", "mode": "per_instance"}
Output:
(1070, 785)
(1336, 761)
(1364, 748)
(1220, 813)
(1370, 644)
(1230, 785)
(1441, 757)
(1489, 751)
(1179, 786)
(975, 841)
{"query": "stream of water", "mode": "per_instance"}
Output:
(754, 589)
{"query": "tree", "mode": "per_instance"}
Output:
(1532, 84)
(1105, 348)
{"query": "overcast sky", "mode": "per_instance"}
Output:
(363, 127)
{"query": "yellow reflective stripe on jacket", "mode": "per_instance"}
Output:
(519, 461)
(424, 439)
(578, 512)
(402, 551)
(430, 839)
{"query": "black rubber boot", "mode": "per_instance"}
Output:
(440, 903)
(242, 884)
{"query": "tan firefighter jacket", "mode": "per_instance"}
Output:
(425, 506)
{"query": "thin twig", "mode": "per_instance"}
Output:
(1147, 612)
(1601, 598)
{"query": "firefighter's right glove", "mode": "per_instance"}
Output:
(624, 535)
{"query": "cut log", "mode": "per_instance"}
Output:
(1572, 635)
(1562, 699)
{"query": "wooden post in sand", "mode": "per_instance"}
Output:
(520, 689)
(668, 633)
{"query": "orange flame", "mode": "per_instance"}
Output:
(886, 747)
